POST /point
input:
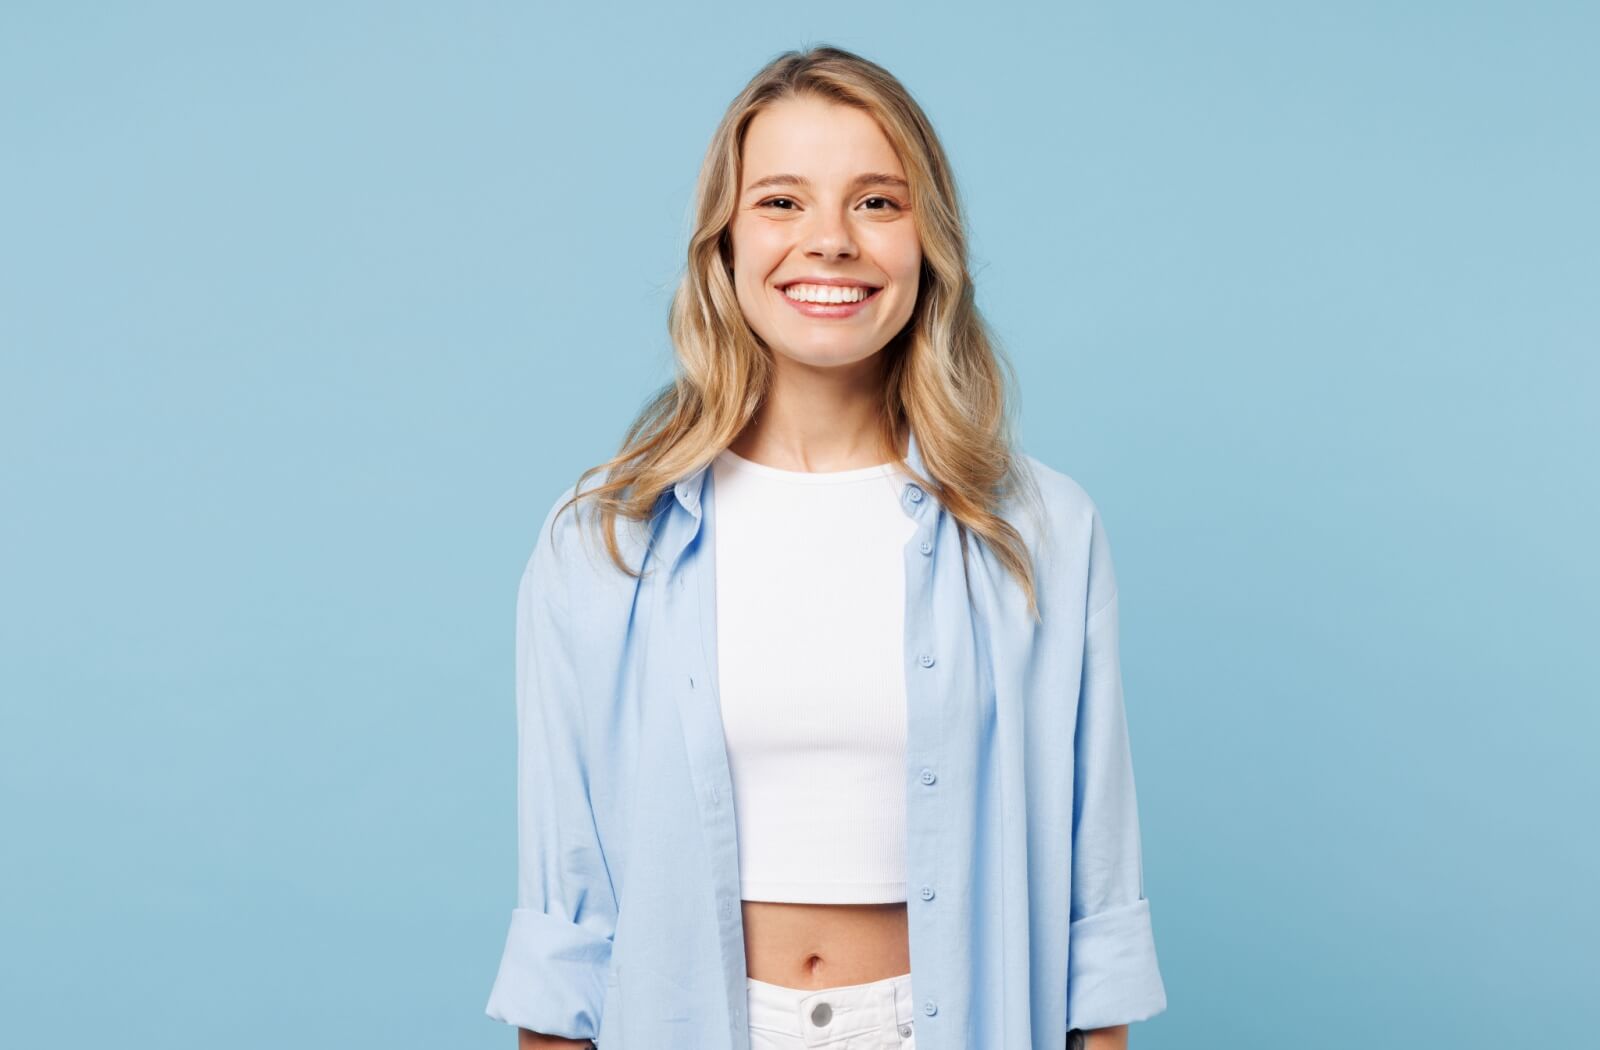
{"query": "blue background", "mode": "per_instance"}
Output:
(308, 311)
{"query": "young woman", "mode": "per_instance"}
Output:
(822, 744)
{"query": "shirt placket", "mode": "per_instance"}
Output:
(924, 849)
(690, 599)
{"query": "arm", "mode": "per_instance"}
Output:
(527, 1040)
(1113, 977)
(1113, 1038)
(552, 976)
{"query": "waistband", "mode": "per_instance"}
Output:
(820, 1014)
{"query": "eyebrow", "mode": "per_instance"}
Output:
(871, 178)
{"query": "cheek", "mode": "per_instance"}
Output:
(904, 266)
(901, 256)
(756, 253)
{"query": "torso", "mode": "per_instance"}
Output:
(801, 943)
(825, 945)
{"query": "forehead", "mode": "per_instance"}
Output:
(819, 139)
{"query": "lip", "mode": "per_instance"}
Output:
(830, 310)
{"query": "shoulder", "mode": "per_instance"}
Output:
(569, 550)
(1064, 510)
(1065, 532)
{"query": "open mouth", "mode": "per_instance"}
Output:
(828, 294)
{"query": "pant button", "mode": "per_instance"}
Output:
(821, 1014)
(905, 1030)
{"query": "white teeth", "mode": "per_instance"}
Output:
(826, 293)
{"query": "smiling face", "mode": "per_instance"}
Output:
(823, 197)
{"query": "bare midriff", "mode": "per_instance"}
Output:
(825, 945)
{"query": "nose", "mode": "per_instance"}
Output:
(829, 238)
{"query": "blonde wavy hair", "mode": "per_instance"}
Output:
(945, 376)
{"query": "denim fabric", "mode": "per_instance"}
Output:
(874, 1016)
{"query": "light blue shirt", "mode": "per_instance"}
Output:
(1027, 915)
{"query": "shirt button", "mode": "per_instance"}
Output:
(905, 1031)
(914, 493)
(926, 659)
(930, 1007)
(927, 776)
(925, 547)
(927, 893)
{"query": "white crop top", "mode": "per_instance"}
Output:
(810, 585)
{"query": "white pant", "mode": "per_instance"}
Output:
(873, 1016)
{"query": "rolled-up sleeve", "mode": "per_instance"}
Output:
(552, 974)
(1113, 977)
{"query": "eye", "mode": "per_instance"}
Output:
(890, 204)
